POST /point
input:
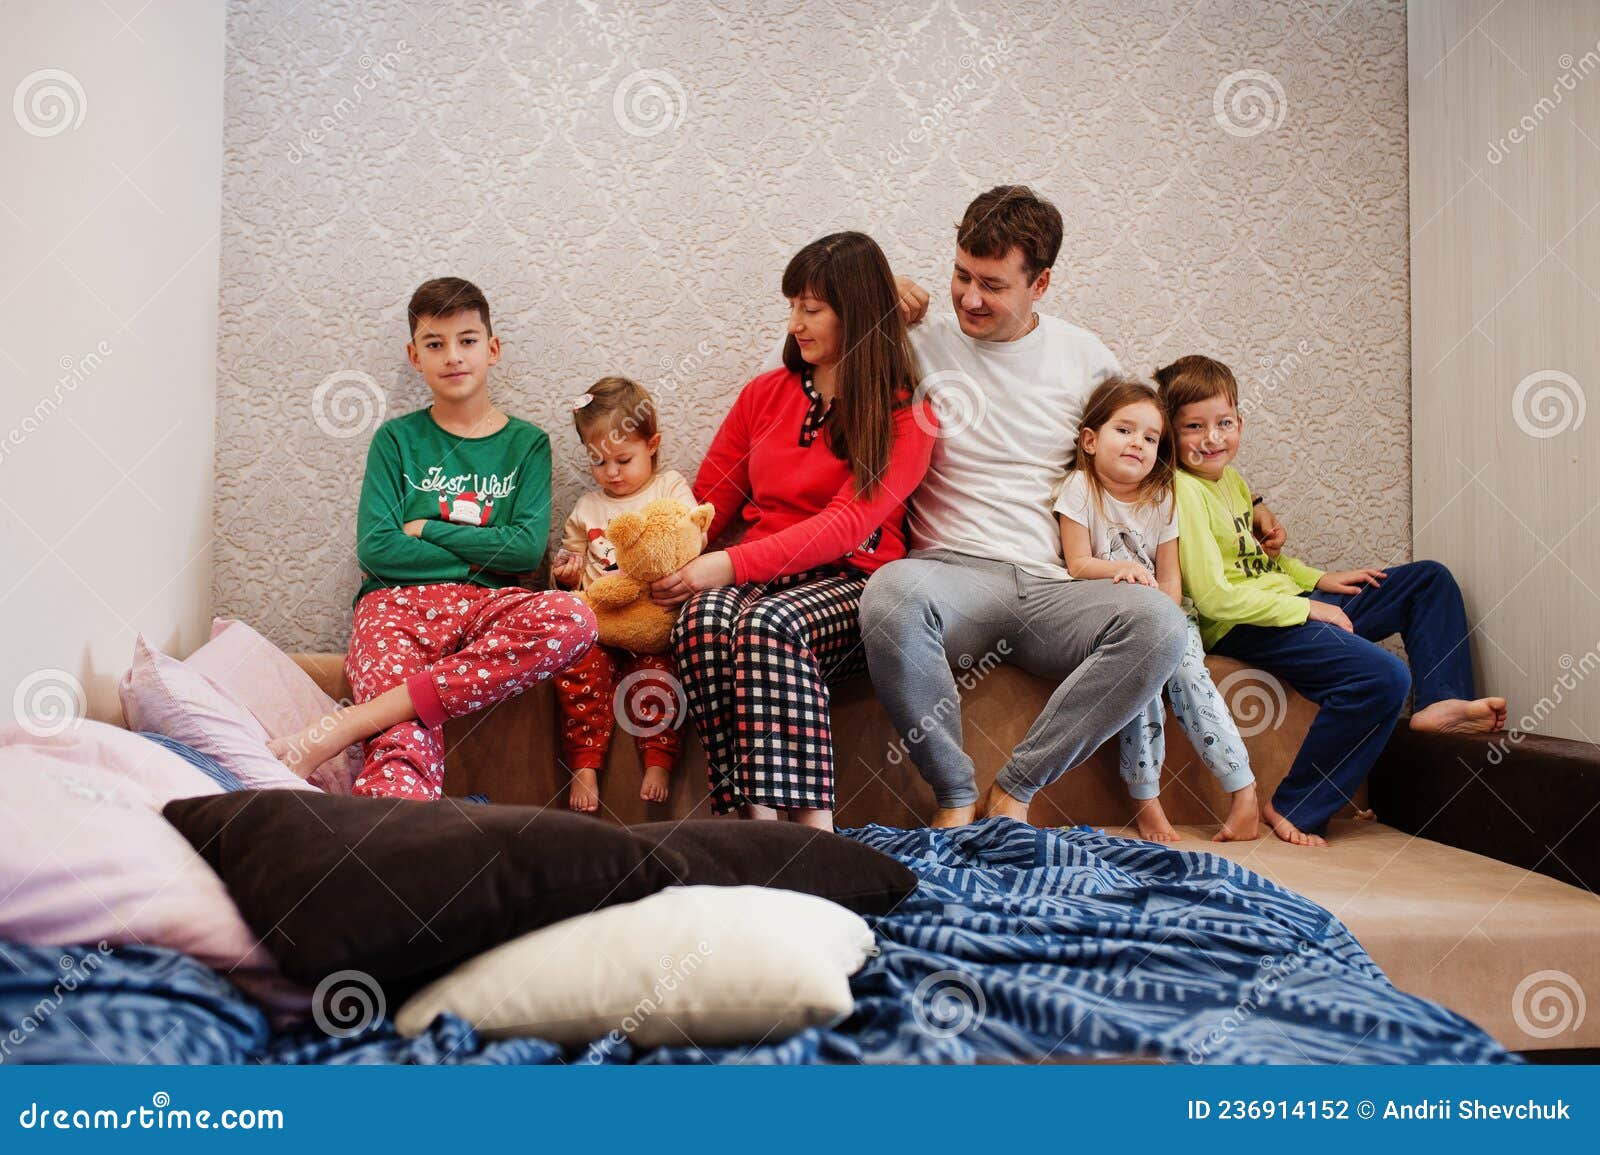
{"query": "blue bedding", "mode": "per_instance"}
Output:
(1019, 944)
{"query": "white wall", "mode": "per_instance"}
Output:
(109, 222)
(1505, 266)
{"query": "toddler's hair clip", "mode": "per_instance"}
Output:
(581, 400)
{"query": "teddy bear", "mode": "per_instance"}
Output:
(651, 543)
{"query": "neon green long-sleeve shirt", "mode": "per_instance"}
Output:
(1226, 573)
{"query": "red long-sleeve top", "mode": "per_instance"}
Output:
(771, 464)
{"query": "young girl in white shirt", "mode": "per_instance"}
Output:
(616, 420)
(1119, 523)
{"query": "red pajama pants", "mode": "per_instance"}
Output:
(457, 648)
(647, 702)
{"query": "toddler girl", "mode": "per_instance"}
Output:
(1119, 523)
(617, 422)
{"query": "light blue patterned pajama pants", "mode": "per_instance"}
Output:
(1204, 716)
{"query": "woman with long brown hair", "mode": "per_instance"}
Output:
(815, 461)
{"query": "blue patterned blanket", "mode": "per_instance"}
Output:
(1019, 944)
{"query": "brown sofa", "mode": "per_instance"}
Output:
(1491, 934)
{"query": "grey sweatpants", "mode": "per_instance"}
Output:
(1111, 646)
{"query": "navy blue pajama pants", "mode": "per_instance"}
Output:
(1359, 687)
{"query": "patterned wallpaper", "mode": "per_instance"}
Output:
(626, 182)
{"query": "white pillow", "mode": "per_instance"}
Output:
(162, 695)
(702, 965)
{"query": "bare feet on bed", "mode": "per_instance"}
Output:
(1459, 716)
(949, 817)
(654, 786)
(1152, 822)
(1243, 823)
(1287, 830)
(998, 802)
(584, 793)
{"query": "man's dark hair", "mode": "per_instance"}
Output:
(1011, 216)
(444, 297)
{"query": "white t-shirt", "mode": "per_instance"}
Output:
(1118, 531)
(1009, 415)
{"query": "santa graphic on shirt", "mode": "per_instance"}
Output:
(469, 507)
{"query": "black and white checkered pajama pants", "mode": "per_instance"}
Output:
(756, 660)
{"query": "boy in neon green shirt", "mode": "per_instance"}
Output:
(1316, 630)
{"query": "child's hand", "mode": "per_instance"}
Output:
(414, 528)
(1350, 581)
(1132, 571)
(567, 569)
(1269, 531)
(1333, 615)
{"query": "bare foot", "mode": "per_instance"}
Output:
(949, 817)
(654, 787)
(1459, 716)
(584, 793)
(304, 752)
(1152, 822)
(1287, 830)
(817, 819)
(1243, 823)
(998, 802)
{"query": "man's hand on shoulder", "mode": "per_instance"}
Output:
(913, 299)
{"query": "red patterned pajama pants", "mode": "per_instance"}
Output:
(457, 648)
(756, 661)
(641, 692)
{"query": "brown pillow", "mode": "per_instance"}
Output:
(402, 889)
(784, 856)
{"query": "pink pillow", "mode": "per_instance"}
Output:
(164, 695)
(269, 684)
(88, 858)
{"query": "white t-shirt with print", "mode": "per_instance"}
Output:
(1118, 531)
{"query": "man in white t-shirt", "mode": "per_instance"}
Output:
(985, 574)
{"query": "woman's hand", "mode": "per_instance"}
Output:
(1132, 571)
(414, 528)
(705, 572)
(1350, 581)
(1332, 614)
(913, 299)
